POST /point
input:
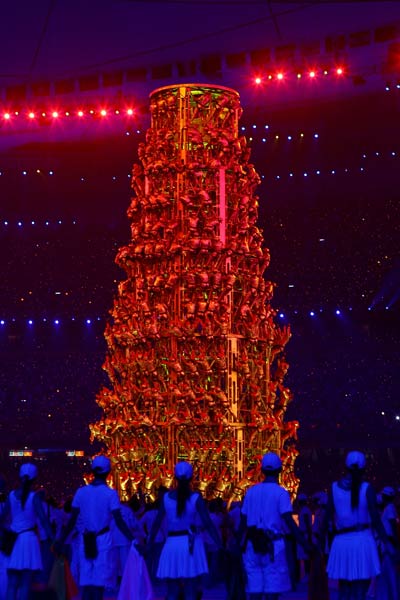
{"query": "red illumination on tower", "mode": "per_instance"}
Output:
(195, 359)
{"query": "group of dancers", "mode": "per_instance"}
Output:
(186, 543)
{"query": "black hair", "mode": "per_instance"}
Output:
(26, 485)
(134, 503)
(271, 472)
(68, 504)
(183, 493)
(99, 474)
(356, 481)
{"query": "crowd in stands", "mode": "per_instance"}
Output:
(334, 245)
(50, 374)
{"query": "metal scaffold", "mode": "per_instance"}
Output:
(195, 359)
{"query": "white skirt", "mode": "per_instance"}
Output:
(353, 556)
(26, 553)
(176, 562)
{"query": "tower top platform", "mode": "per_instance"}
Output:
(203, 86)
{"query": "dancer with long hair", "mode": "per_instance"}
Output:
(183, 559)
(353, 511)
(24, 507)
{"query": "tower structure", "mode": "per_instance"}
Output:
(195, 359)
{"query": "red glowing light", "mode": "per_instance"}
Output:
(311, 74)
(279, 76)
(339, 71)
(103, 112)
(130, 110)
(258, 80)
(54, 114)
(31, 115)
(7, 116)
(80, 113)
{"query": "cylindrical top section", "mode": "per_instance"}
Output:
(196, 108)
(200, 87)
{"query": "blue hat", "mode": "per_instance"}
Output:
(183, 470)
(28, 470)
(271, 462)
(355, 460)
(388, 491)
(101, 464)
(320, 497)
(302, 497)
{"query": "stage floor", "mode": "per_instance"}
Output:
(219, 593)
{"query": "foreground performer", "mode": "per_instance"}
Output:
(352, 508)
(25, 508)
(388, 583)
(183, 558)
(96, 504)
(265, 512)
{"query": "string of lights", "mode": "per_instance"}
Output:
(33, 222)
(321, 172)
(103, 111)
(313, 74)
(392, 154)
(56, 114)
(282, 315)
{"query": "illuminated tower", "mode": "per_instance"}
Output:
(195, 359)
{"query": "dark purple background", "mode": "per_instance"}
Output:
(334, 236)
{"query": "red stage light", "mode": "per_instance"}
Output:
(7, 116)
(80, 113)
(258, 80)
(339, 71)
(54, 114)
(130, 110)
(311, 74)
(279, 76)
(31, 115)
(103, 112)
